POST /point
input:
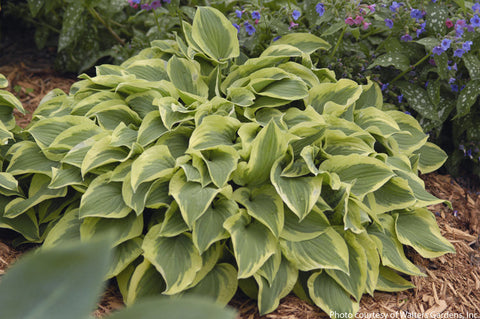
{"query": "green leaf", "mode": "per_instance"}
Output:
(66, 229)
(214, 34)
(391, 281)
(220, 284)
(190, 307)
(325, 97)
(214, 130)
(467, 97)
(173, 224)
(429, 43)
(3, 79)
(176, 258)
(264, 204)
(418, 100)
(143, 281)
(208, 228)
(442, 65)
(432, 158)
(72, 24)
(151, 128)
(155, 163)
(472, 63)
(317, 253)
(8, 185)
(313, 225)
(123, 255)
(46, 286)
(66, 175)
(103, 199)
(394, 194)
(306, 42)
(252, 242)
(395, 59)
(435, 18)
(419, 229)
(330, 296)
(26, 224)
(102, 153)
(186, 77)
(28, 158)
(193, 199)
(221, 161)
(269, 294)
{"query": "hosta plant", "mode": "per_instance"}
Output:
(215, 172)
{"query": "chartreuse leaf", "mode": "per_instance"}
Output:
(186, 77)
(8, 185)
(150, 70)
(37, 193)
(188, 307)
(366, 174)
(27, 158)
(66, 229)
(193, 199)
(394, 194)
(325, 96)
(121, 229)
(103, 199)
(172, 112)
(143, 282)
(220, 284)
(411, 136)
(419, 229)
(355, 281)
(326, 251)
(72, 136)
(173, 224)
(176, 258)
(299, 193)
(142, 103)
(270, 144)
(314, 224)
(432, 158)
(48, 274)
(389, 280)
(214, 34)
(208, 228)
(26, 224)
(391, 250)
(371, 96)
(306, 42)
(151, 128)
(3, 81)
(269, 294)
(214, 130)
(123, 255)
(102, 153)
(155, 163)
(253, 243)
(330, 296)
(417, 185)
(263, 204)
(66, 175)
(376, 121)
(221, 161)
(373, 261)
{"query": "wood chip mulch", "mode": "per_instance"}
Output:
(450, 290)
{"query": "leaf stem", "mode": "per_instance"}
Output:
(411, 67)
(97, 16)
(338, 42)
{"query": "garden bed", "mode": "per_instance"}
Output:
(452, 284)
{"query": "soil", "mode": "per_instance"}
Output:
(451, 287)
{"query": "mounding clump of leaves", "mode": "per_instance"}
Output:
(215, 173)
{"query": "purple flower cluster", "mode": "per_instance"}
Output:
(249, 28)
(146, 6)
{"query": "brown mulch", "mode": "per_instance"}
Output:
(452, 285)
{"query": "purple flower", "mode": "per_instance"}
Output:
(421, 29)
(276, 38)
(458, 53)
(458, 30)
(406, 37)
(238, 13)
(475, 21)
(451, 80)
(250, 28)
(255, 15)
(166, 1)
(416, 14)
(445, 44)
(296, 14)
(371, 7)
(320, 9)
(350, 21)
(156, 4)
(438, 50)
(454, 87)
(476, 7)
(395, 5)
(135, 1)
(236, 27)
(146, 7)
(400, 98)
(389, 23)
(461, 147)
(385, 86)
(466, 46)
(408, 113)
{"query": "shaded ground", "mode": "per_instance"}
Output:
(452, 285)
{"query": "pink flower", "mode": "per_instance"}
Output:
(365, 25)
(349, 21)
(358, 20)
(371, 7)
(292, 25)
(449, 23)
(256, 21)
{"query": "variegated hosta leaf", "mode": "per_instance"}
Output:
(411, 136)
(66, 175)
(330, 296)
(27, 158)
(220, 284)
(432, 158)
(253, 243)
(299, 193)
(394, 194)
(102, 153)
(371, 96)
(270, 268)
(142, 103)
(192, 198)
(72, 136)
(150, 70)
(67, 228)
(214, 130)
(390, 248)
(123, 255)
(185, 75)
(376, 121)
(419, 229)
(121, 229)
(306, 42)
(264, 205)
(214, 34)
(391, 281)
(110, 114)
(208, 228)
(269, 294)
(366, 174)
(314, 224)
(9, 185)
(155, 163)
(173, 223)
(221, 161)
(176, 258)
(172, 112)
(103, 199)
(37, 193)
(176, 140)
(277, 83)
(145, 281)
(417, 185)
(326, 251)
(325, 95)
(151, 128)
(373, 260)
(26, 224)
